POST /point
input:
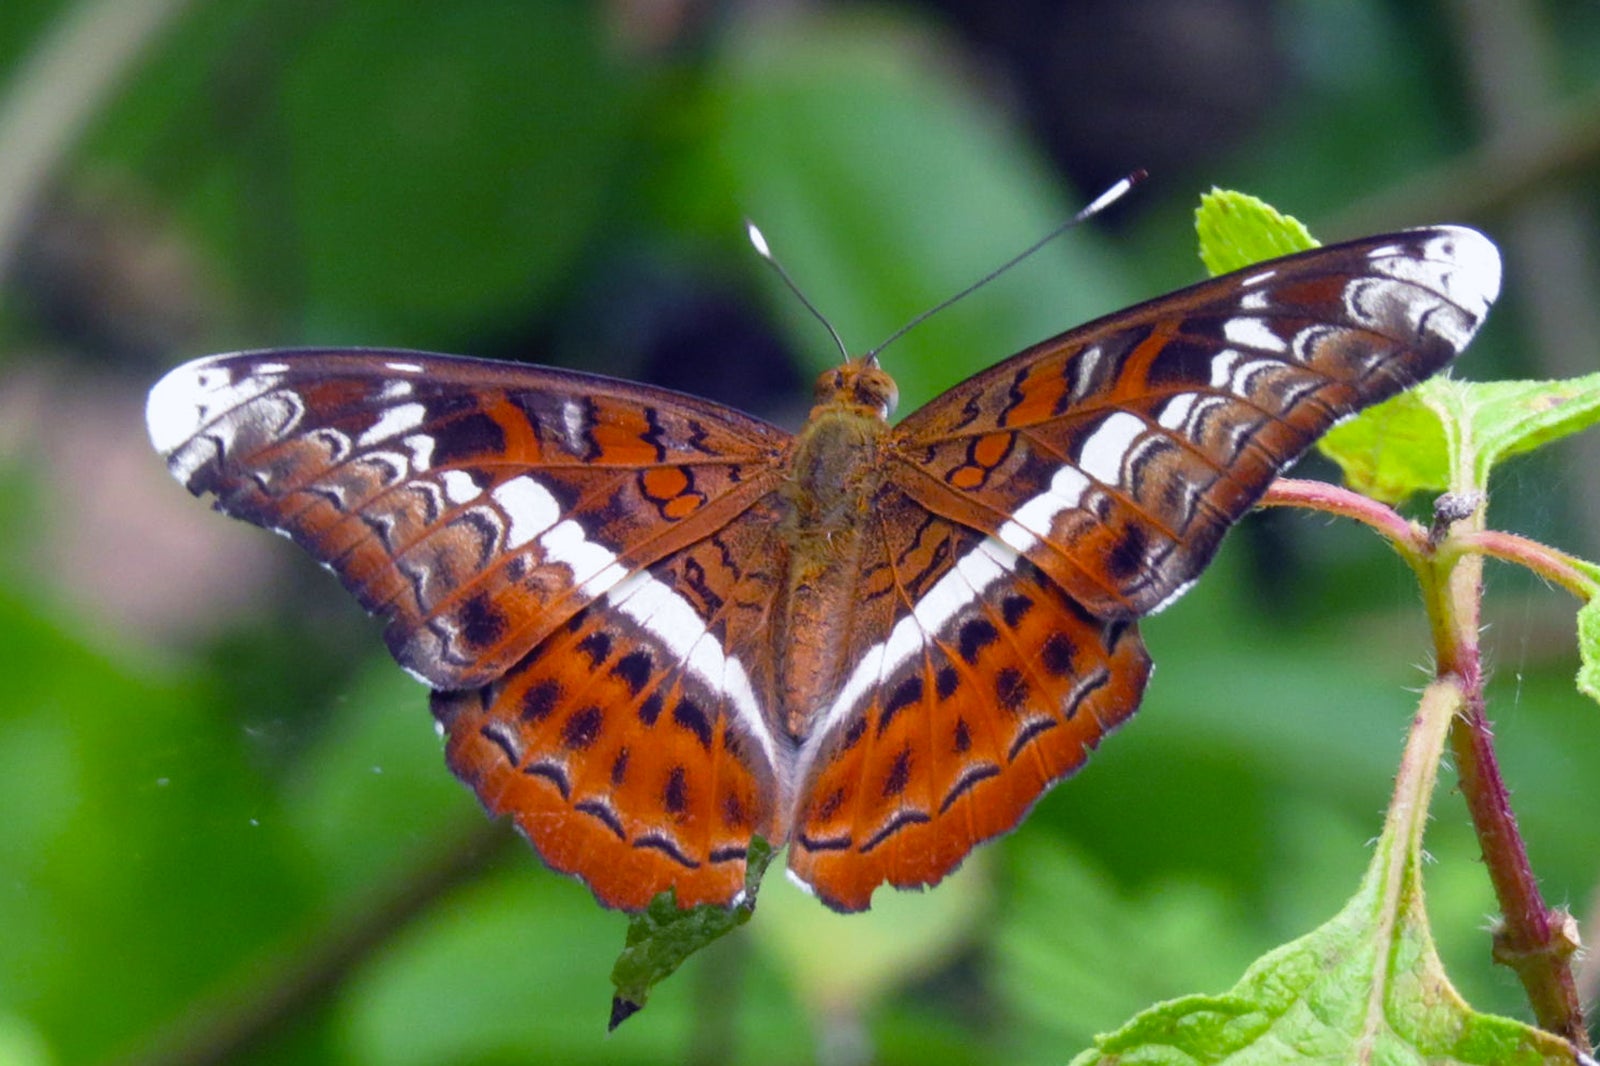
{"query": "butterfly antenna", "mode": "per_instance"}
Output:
(759, 242)
(1097, 205)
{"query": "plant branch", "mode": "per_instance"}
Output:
(1554, 566)
(1533, 939)
(1408, 537)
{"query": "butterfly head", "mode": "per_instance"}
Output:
(858, 383)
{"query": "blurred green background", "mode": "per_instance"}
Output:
(226, 831)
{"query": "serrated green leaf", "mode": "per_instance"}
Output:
(1413, 442)
(1511, 417)
(1237, 230)
(663, 936)
(1392, 450)
(1589, 649)
(1366, 986)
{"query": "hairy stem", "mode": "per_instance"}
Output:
(1407, 537)
(1533, 939)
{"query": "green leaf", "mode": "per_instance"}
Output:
(664, 935)
(1392, 450)
(1237, 230)
(1448, 434)
(1589, 649)
(1365, 987)
(1511, 417)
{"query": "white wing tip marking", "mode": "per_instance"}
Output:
(1479, 259)
(1462, 262)
(189, 396)
(176, 407)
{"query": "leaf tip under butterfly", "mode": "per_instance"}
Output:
(662, 936)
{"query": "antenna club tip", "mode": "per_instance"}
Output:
(1116, 192)
(757, 240)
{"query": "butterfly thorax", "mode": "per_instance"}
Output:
(834, 473)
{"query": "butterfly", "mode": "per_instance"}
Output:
(656, 627)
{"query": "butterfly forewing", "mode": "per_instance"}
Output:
(1116, 455)
(476, 505)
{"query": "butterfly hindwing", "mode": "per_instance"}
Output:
(477, 505)
(1116, 455)
(984, 685)
(632, 745)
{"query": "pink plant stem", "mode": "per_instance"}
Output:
(1533, 939)
(1332, 499)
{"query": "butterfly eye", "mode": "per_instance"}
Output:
(876, 389)
(830, 383)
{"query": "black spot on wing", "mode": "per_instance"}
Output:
(1127, 556)
(634, 670)
(689, 715)
(597, 646)
(582, 729)
(975, 635)
(1014, 608)
(899, 774)
(675, 796)
(1056, 655)
(482, 623)
(1010, 688)
(540, 699)
(472, 436)
(906, 694)
(650, 709)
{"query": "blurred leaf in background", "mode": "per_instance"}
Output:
(229, 834)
